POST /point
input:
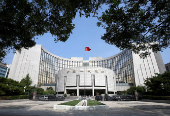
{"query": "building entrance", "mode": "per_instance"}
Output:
(99, 92)
(88, 92)
(72, 92)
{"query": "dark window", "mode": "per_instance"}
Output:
(167, 68)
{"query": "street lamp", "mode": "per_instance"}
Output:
(146, 88)
(57, 85)
(24, 89)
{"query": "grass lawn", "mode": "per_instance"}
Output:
(71, 103)
(93, 103)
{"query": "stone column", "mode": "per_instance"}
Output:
(77, 91)
(65, 78)
(106, 90)
(64, 88)
(93, 85)
(77, 78)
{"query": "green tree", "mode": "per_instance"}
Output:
(30, 89)
(26, 82)
(139, 89)
(125, 21)
(137, 21)
(49, 92)
(22, 20)
(49, 88)
(10, 87)
(159, 84)
(40, 91)
(3, 86)
(131, 90)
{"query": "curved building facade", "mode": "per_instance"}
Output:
(96, 75)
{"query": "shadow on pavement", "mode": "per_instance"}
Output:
(157, 101)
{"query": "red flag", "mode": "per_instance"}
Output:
(87, 49)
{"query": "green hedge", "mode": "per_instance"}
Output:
(14, 97)
(156, 97)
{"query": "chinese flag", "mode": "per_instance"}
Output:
(87, 49)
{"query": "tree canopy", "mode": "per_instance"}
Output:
(49, 92)
(49, 88)
(139, 89)
(159, 84)
(10, 87)
(137, 21)
(125, 21)
(22, 20)
(40, 91)
(26, 81)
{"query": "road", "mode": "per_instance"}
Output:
(116, 108)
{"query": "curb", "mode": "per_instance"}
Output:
(65, 107)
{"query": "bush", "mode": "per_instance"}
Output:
(5, 97)
(146, 96)
(139, 89)
(65, 95)
(49, 88)
(10, 87)
(20, 97)
(49, 92)
(40, 91)
(159, 84)
(156, 97)
(14, 97)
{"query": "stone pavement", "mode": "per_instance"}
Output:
(116, 108)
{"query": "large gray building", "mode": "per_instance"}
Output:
(96, 75)
(3, 69)
(167, 66)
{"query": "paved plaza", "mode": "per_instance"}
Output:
(116, 108)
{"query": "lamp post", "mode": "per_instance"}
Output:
(146, 88)
(162, 85)
(136, 95)
(57, 85)
(24, 89)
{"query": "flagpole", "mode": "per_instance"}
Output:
(86, 49)
(84, 69)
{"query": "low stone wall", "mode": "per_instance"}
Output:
(80, 106)
(65, 107)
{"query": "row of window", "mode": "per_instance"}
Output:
(2, 71)
(52, 65)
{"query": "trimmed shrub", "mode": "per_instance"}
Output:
(65, 95)
(146, 96)
(14, 97)
(5, 97)
(156, 97)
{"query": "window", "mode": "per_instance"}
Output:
(167, 68)
(85, 64)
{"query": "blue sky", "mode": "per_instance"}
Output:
(85, 34)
